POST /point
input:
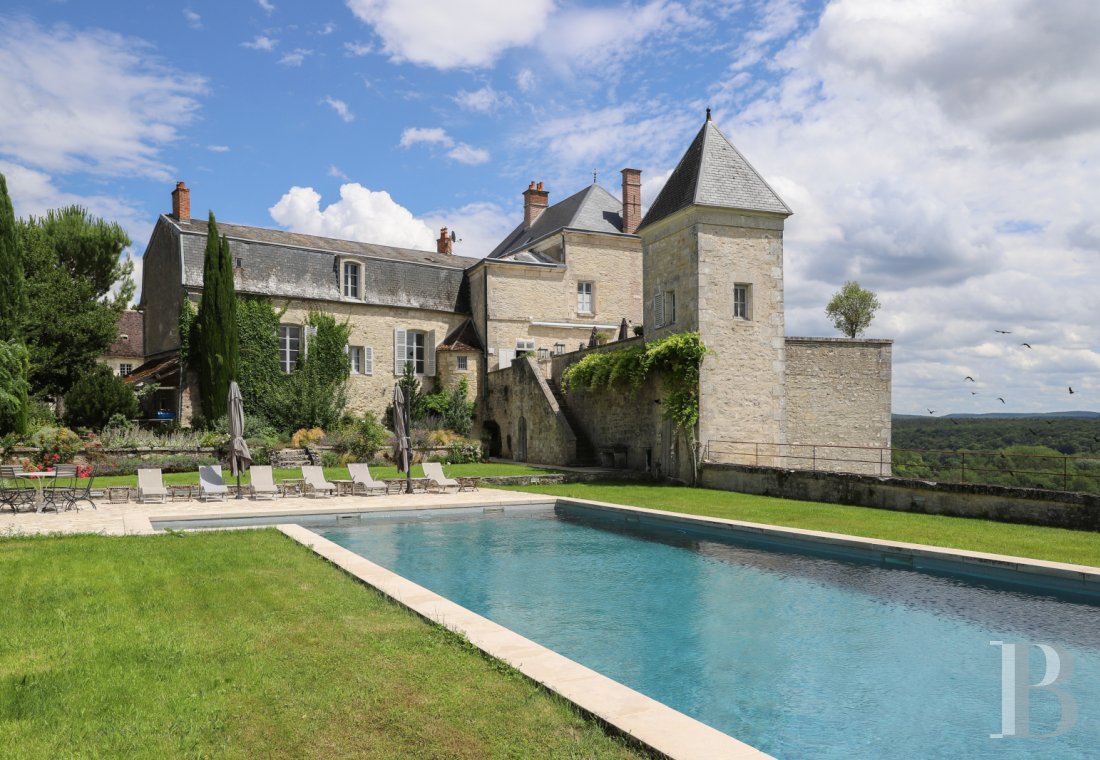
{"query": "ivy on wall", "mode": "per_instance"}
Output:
(676, 359)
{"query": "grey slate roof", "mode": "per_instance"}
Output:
(592, 210)
(130, 343)
(292, 265)
(714, 173)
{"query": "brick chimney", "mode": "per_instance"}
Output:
(181, 202)
(444, 244)
(632, 200)
(535, 201)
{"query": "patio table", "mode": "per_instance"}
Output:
(117, 494)
(291, 486)
(397, 485)
(180, 491)
(344, 487)
(38, 479)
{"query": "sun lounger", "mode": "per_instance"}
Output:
(362, 481)
(151, 486)
(211, 484)
(263, 483)
(433, 471)
(315, 481)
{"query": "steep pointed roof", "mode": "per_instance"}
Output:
(714, 173)
(462, 338)
(592, 209)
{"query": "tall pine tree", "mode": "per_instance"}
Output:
(12, 294)
(218, 345)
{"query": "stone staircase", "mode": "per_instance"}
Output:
(586, 452)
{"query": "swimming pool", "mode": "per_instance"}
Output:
(798, 654)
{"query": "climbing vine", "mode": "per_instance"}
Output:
(676, 358)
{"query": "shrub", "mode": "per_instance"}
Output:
(129, 465)
(97, 397)
(362, 440)
(56, 445)
(307, 437)
(330, 459)
(464, 452)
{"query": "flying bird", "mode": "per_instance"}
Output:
(968, 377)
(1071, 391)
(1003, 332)
(931, 411)
(1000, 399)
(973, 393)
(1026, 344)
(953, 421)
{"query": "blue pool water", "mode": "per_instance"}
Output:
(798, 655)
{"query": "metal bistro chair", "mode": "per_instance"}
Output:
(82, 490)
(61, 493)
(15, 491)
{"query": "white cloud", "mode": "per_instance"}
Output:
(941, 154)
(469, 155)
(218, 148)
(436, 136)
(357, 49)
(266, 5)
(193, 19)
(525, 80)
(484, 99)
(262, 42)
(360, 214)
(430, 135)
(341, 108)
(335, 171)
(88, 101)
(439, 33)
(327, 28)
(295, 58)
(581, 40)
(479, 226)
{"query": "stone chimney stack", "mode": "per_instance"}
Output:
(444, 244)
(632, 200)
(181, 202)
(535, 201)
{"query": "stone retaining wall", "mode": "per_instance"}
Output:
(1015, 505)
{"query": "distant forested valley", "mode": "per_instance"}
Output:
(1042, 451)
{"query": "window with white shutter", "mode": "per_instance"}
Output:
(368, 360)
(658, 308)
(429, 353)
(400, 351)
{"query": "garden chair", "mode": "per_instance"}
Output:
(16, 492)
(433, 471)
(315, 481)
(61, 492)
(82, 490)
(211, 485)
(263, 482)
(151, 486)
(362, 481)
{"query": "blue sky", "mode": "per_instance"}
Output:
(943, 154)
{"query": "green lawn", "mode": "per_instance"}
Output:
(340, 473)
(244, 644)
(1056, 544)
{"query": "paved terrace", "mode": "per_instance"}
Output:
(133, 518)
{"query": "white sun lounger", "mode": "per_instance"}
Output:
(315, 481)
(211, 483)
(363, 481)
(263, 482)
(151, 486)
(433, 471)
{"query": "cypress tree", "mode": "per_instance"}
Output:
(12, 295)
(218, 354)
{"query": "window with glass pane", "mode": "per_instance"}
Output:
(741, 301)
(125, 369)
(462, 364)
(584, 297)
(414, 350)
(559, 348)
(355, 357)
(290, 343)
(351, 279)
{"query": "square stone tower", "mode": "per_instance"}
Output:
(712, 261)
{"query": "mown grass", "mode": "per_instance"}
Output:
(244, 645)
(339, 473)
(1055, 544)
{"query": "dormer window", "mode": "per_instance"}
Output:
(351, 279)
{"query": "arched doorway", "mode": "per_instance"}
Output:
(492, 438)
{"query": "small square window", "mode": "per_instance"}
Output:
(523, 344)
(461, 363)
(742, 301)
(125, 369)
(559, 348)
